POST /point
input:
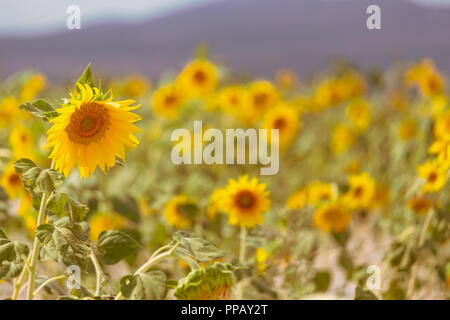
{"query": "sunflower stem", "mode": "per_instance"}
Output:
(242, 246)
(98, 272)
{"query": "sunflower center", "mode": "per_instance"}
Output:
(279, 123)
(358, 192)
(432, 177)
(332, 215)
(170, 100)
(245, 199)
(14, 179)
(88, 123)
(199, 77)
(260, 99)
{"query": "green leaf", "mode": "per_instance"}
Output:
(48, 180)
(12, 257)
(70, 242)
(63, 205)
(191, 245)
(127, 207)
(86, 78)
(40, 108)
(364, 294)
(114, 245)
(151, 285)
(23, 165)
(322, 280)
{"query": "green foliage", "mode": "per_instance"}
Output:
(151, 285)
(86, 78)
(364, 294)
(193, 246)
(114, 245)
(127, 207)
(12, 257)
(322, 280)
(63, 205)
(36, 179)
(40, 108)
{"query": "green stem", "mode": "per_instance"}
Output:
(48, 282)
(242, 246)
(154, 259)
(98, 272)
(36, 246)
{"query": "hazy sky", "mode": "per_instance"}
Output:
(37, 16)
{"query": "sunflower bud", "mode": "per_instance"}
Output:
(211, 283)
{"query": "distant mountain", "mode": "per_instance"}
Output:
(258, 36)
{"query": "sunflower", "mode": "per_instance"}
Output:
(426, 77)
(441, 148)
(21, 141)
(199, 78)
(233, 100)
(359, 113)
(332, 217)
(298, 200)
(9, 111)
(420, 204)
(284, 118)
(91, 131)
(261, 256)
(173, 212)
(286, 79)
(214, 206)
(319, 192)
(12, 182)
(102, 221)
(136, 86)
(262, 97)
(168, 100)
(442, 125)
(361, 192)
(245, 201)
(435, 176)
(342, 138)
(32, 87)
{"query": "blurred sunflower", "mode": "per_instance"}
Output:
(426, 77)
(261, 256)
(420, 204)
(32, 87)
(286, 79)
(173, 212)
(407, 129)
(359, 113)
(442, 125)
(245, 201)
(168, 100)
(214, 205)
(441, 148)
(319, 192)
(284, 118)
(298, 200)
(12, 182)
(233, 100)
(102, 221)
(262, 97)
(361, 192)
(332, 217)
(342, 138)
(21, 141)
(435, 176)
(91, 131)
(199, 78)
(9, 111)
(136, 86)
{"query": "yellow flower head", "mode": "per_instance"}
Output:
(441, 148)
(246, 200)
(12, 182)
(341, 139)
(435, 176)
(9, 111)
(319, 192)
(298, 200)
(284, 118)
(332, 217)
(286, 79)
(199, 78)
(442, 125)
(136, 86)
(261, 256)
(215, 202)
(91, 132)
(426, 77)
(407, 129)
(263, 96)
(420, 204)
(21, 141)
(168, 100)
(101, 221)
(361, 192)
(328, 93)
(233, 100)
(30, 221)
(32, 87)
(173, 212)
(359, 113)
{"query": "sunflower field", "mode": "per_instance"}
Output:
(93, 207)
